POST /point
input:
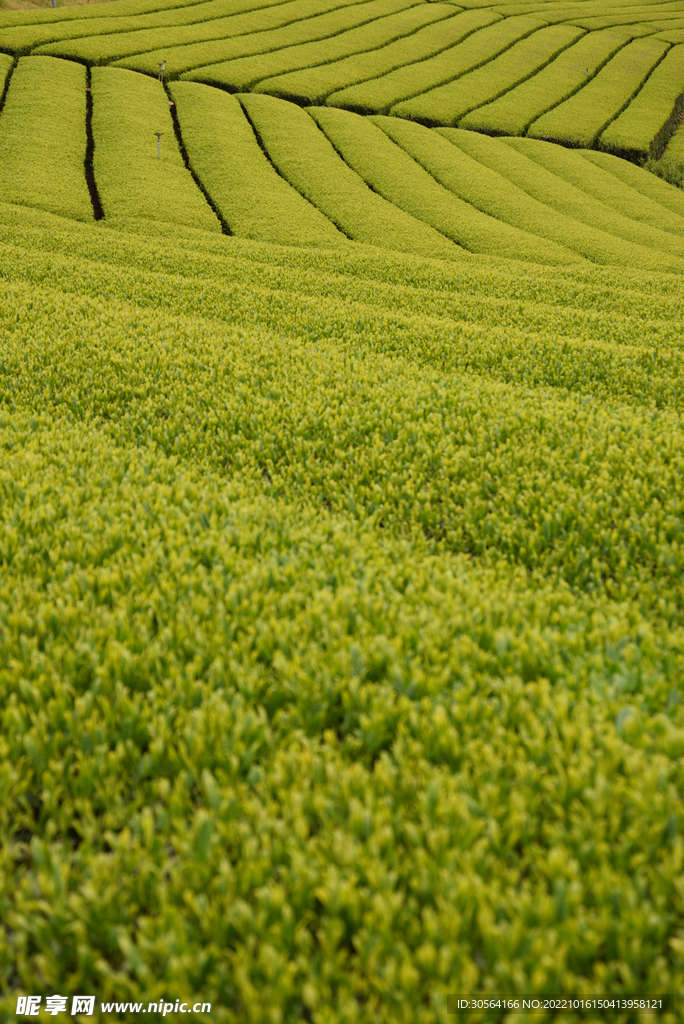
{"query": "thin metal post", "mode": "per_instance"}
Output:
(162, 68)
(159, 138)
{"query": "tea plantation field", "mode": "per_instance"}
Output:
(341, 508)
(604, 74)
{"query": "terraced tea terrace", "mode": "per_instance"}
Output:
(594, 73)
(341, 509)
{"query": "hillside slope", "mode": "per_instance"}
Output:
(340, 624)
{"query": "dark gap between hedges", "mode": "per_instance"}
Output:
(665, 133)
(90, 151)
(225, 228)
(3, 97)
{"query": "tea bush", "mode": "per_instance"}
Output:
(43, 137)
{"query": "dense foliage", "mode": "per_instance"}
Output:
(40, 166)
(340, 625)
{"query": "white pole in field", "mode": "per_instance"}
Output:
(159, 138)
